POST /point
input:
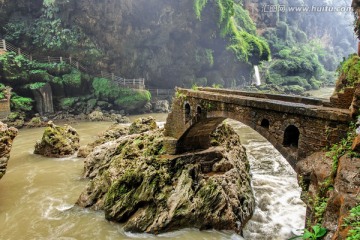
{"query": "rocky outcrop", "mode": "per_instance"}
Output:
(58, 141)
(7, 136)
(112, 133)
(134, 182)
(161, 106)
(117, 130)
(329, 195)
(141, 125)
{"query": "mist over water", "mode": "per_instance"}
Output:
(37, 195)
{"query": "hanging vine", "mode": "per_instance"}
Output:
(236, 25)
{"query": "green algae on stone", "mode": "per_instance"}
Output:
(58, 141)
(141, 125)
(136, 184)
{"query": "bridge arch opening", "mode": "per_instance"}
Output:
(291, 136)
(187, 112)
(265, 123)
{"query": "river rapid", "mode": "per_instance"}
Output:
(37, 194)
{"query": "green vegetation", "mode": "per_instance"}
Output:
(3, 91)
(316, 232)
(36, 85)
(235, 23)
(19, 103)
(131, 100)
(353, 221)
(298, 69)
(198, 7)
(48, 32)
(124, 98)
(342, 148)
(349, 71)
(67, 83)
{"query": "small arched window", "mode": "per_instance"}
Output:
(198, 110)
(265, 123)
(291, 136)
(187, 112)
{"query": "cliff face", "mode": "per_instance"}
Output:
(160, 40)
(163, 40)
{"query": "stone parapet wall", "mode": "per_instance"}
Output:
(280, 97)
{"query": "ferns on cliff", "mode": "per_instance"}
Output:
(198, 7)
(236, 25)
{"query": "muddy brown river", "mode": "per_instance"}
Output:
(37, 194)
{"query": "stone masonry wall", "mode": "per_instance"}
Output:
(318, 127)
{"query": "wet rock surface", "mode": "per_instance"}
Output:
(112, 133)
(315, 172)
(58, 141)
(141, 125)
(136, 183)
(117, 130)
(7, 136)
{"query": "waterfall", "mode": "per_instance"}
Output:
(257, 76)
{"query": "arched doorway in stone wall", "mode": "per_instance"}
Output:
(291, 136)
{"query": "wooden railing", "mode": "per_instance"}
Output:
(161, 92)
(133, 83)
(130, 83)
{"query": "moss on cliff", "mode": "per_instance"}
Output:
(236, 25)
(349, 73)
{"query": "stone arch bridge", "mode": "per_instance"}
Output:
(295, 126)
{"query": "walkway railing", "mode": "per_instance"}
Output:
(130, 83)
(161, 92)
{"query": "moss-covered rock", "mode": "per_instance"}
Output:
(112, 133)
(118, 130)
(141, 125)
(58, 141)
(7, 136)
(36, 122)
(15, 119)
(135, 183)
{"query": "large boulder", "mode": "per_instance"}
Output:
(141, 125)
(134, 182)
(96, 116)
(161, 106)
(58, 141)
(117, 130)
(112, 133)
(7, 136)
